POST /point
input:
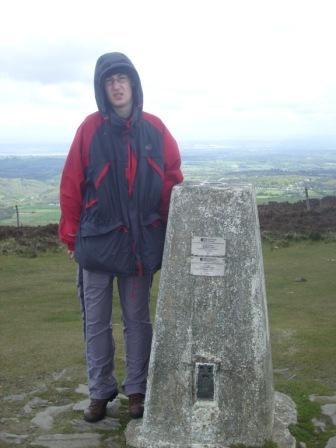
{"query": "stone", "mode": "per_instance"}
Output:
(210, 375)
(330, 411)
(16, 439)
(45, 419)
(42, 387)
(59, 375)
(112, 408)
(319, 425)
(82, 389)
(285, 409)
(323, 399)
(81, 405)
(285, 414)
(300, 279)
(16, 397)
(9, 419)
(84, 440)
(62, 389)
(107, 424)
(331, 443)
(34, 403)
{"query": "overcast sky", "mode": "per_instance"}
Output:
(211, 69)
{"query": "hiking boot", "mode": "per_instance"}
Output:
(136, 405)
(97, 408)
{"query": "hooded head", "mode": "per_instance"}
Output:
(111, 63)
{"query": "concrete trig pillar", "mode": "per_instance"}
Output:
(210, 376)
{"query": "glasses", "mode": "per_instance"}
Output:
(120, 78)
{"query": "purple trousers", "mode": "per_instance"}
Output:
(134, 300)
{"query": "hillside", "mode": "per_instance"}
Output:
(277, 220)
(283, 218)
(38, 168)
(279, 172)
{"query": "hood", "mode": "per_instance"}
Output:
(112, 61)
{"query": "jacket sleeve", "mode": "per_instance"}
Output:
(71, 191)
(172, 171)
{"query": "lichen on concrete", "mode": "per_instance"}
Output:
(212, 319)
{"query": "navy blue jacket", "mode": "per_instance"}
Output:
(116, 184)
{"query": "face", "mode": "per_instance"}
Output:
(118, 90)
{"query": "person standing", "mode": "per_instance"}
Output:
(114, 197)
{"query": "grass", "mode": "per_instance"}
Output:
(33, 215)
(302, 317)
(41, 331)
(301, 312)
(34, 291)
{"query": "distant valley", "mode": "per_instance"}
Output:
(280, 172)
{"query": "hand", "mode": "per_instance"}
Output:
(70, 254)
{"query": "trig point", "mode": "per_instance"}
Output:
(210, 376)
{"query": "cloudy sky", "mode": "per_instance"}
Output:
(211, 69)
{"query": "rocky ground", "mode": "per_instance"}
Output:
(31, 420)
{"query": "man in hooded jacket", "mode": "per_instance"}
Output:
(114, 195)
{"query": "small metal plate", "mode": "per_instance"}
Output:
(207, 266)
(208, 247)
(205, 381)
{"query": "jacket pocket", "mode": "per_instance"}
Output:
(106, 250)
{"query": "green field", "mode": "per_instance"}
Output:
(33, 215)
(41, 330)
(32, 183)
